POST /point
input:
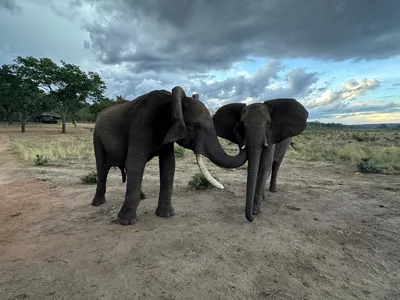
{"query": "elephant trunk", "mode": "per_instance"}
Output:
(252, 172)
(214, 151)
(255, 143)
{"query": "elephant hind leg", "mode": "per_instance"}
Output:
(102, 172)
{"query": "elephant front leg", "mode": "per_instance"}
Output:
(263, 173)
(274, 175)
(167, 172)
(127, 214)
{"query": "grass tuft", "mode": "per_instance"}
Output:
(199, 182)
(365, 166)
(90, 178)
(179, 151)
(41, 160)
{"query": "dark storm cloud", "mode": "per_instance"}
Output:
(265, 84)
(201, 34)
(10, 5)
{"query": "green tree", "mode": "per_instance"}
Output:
(67, 84)
(6, 103)
(120, 98)
(21, 95)
(84, 114)
(98, 106)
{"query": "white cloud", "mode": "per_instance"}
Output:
(273, 86)
(351, 90)
(248, 100)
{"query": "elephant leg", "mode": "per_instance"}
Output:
(123, 173)
(135, 168)
(275, 168)
(102, 173)
(167, 172)
(263, 173)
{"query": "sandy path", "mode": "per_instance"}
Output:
(326, 234)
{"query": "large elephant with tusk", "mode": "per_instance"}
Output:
(130, 133)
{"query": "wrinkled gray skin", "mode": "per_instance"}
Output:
(260, 128)
(130, 133)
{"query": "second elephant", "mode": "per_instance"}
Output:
(260, 128)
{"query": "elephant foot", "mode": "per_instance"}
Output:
(165, 211)
(127, 216)
(97, 201)
(142, 195)
(256, 208)
(272, 189)
(264, 197)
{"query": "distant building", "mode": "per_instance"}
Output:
(47, 118)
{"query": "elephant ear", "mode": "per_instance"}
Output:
(288, 118)
(178, 128)
(225, 120)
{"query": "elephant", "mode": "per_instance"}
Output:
(265, 129)
(128, 134)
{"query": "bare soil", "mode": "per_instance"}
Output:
(328, 233)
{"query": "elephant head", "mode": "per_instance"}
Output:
(256, 127)
(193, 128)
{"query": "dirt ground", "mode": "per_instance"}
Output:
(328, 233)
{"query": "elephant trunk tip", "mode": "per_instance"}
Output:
(250, 217)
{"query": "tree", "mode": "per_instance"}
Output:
(67, 84)
(6, 103)
(120, 98)
(98, 106)
(21, 95)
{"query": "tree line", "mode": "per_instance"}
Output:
(31, 86)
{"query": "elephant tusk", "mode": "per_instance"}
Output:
(207, 174)
(266, 145)
(244, 146)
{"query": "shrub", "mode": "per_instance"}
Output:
(199, 182)
(365, 166)
(364, 137)
(179, 151)
(41, 160)
(90, 178)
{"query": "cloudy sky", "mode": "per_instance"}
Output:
(340, 58)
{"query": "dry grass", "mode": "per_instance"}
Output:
(53, 147)
(344, 147)
(382, 147)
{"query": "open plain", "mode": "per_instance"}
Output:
(329, 232)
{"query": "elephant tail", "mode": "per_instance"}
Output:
(292, 144)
